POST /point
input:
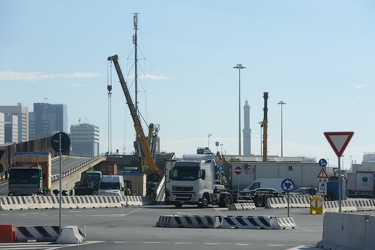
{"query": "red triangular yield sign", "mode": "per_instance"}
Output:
(322, 174)
(338, 141)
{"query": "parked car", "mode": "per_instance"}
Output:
(304, 191)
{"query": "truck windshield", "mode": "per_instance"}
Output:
(24, 176)
(185, 173)
(109, 185)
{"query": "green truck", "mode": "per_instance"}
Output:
(89, 183)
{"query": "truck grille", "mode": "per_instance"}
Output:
(182, 189)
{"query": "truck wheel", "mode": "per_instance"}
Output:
(178, 205)
(154, 177)
(226, 201)
(258, 200)
(204, 203)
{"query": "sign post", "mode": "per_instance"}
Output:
(287, 185)
(60, 142)
(338, 142)
(238, 171)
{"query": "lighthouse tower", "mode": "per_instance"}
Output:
(246, 130)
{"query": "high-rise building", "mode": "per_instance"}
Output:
(246, 130)
(84, 139)
(22, 112)
(47, 119)
(2, 128)
(10, 128)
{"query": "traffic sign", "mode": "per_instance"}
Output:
(322, 175)
(338, 141)
(323, 163)
(65, 141)
(287, 185)
(238, 170)
(322, 188)
(220, 169)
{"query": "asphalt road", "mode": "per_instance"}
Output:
(135, 228)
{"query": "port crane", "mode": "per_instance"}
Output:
(153, 173)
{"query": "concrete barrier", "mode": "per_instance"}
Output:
(134, 200)
(277, 202)
(331, 206)
(71, 235)
(38, 202)
(346, 231)
(242, 206)
(188, 221)
(283, 223)
(300, 202)
(13, 203)
(348, 206)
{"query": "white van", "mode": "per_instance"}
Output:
(111, 185)
(274, 183)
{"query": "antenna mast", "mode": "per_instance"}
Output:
(135, 41)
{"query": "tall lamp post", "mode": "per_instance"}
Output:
(281, 103)
(239, 67)
(261, 137)
(209, 135)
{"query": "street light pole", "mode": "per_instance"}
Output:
(261, 137)
(209, 135)
(281, 103)
(239, 67)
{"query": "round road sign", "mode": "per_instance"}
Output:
(65, 141)
(323, 163)
(238, 170)
(287, 185)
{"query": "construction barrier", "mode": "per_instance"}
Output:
(188, 221)
(246, 222)
(7, 234)
(347, 231)
(38, 233)
(226, 222)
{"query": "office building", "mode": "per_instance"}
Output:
(22, 113)
(84, 139)
(10, 128)
(47, 119)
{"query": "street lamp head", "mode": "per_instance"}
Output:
(281, 103)
(239, 66)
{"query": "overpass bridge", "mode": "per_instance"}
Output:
(71, 168)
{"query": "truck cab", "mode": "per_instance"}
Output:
(193, 182)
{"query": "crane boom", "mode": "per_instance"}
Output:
(140, 135)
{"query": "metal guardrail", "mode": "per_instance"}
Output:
(78, 167)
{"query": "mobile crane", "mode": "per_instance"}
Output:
(153, 173)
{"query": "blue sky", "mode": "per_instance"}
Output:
(316, 56)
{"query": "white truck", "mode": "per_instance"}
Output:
(360, 184)
(193, 181)
(111, 185)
